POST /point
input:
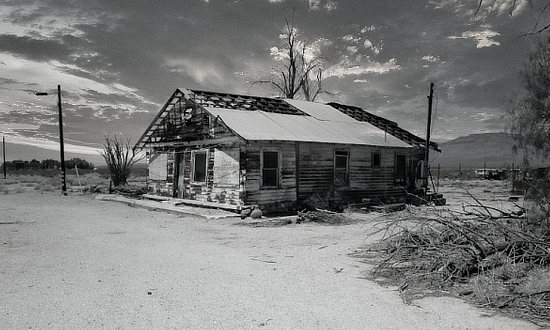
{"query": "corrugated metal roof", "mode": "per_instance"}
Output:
(321, 111)
(261, 125)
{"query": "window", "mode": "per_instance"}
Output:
(400, 169)
(200, 163)
(376, 160)
(341, 166)
(270, 168)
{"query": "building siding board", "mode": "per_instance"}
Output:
(212, 190)
(271, 200)
(365, 182)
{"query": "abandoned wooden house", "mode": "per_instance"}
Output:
(233, 151)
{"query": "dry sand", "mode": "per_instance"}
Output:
(74, 262)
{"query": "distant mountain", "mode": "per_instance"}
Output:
(473, 151)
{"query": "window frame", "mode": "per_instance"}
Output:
(277, 170)
(193, 166)
(401, 180)
(340, 170)
(373, 153)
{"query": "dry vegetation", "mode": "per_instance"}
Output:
(41, 181)
(494, 252)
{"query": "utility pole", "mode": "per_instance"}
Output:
(61, 146)
(430, 102)
(4, 153)
(428, 129)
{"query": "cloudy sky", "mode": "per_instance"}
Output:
(118, 61)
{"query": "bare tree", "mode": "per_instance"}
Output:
(120, 157)
(301, 71)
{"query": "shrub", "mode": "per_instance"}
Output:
(120, 157)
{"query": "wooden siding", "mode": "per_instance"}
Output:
(316, 177)
(206, 132)
(214, 189)
(281, 199)
(155, 185)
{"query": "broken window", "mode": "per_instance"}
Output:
(376, 159)
(270, 169)
(199, 159)
(341, 166)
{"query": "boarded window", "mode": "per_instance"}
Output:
(199, 166)
(226, 167)
(158, 167)
(270, 168)
(341, 167)
(376, 159)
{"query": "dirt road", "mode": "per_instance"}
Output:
(74, 262)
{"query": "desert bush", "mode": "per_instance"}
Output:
(46, 188)
(120, 157)
(538, 193)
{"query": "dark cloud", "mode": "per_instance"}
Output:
(35, 49)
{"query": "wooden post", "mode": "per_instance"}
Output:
(438, 169)
(61, 146)
(429, 126)
(4, 153)
(428, 129)
(78, 178)
(297, 169)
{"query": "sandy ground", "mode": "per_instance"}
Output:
(74, 262)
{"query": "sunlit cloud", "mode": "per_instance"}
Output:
(483, 38)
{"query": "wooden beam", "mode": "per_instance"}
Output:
(223, 140)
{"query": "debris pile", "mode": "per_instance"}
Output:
(129, 190)
(323, 216)
(496, 258)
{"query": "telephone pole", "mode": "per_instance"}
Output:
(429, 128)
(426, 168)
(4, 153)
(61, 146)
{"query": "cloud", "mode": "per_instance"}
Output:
(367, 44)
(351, 38)
(331, 5)
(314, 4)
(352, 49)
(200, 70)
(488, 7)
(343, 70)
(368, 29)
(483, 38)
(430, 58)
(118, 61)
